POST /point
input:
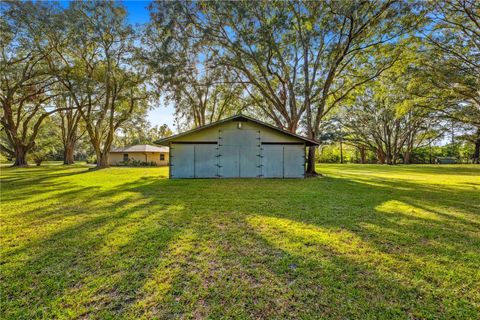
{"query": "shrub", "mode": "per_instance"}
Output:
(38, 159)
(91, 159)
(136, 163)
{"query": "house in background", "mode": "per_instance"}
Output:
(140, 152)
(237, 147)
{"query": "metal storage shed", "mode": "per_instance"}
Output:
(237, 147)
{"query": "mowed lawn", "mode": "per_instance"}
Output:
(361, 242)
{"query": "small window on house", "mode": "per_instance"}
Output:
(125, 157)
(162, 157)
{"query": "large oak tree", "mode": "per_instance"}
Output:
(185, 71)
(94, 58)
(26, 83)
(298, 60)
(453, 70)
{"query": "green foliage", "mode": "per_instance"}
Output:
(91, 159)
(295, 61)
(328, 154)
(137, 163)
(187, 71)
(406, 64)
(25, 83)
(3, 159)
(47, 143)
(141, 132)
(451, 64)
(331, 153)
(94, 55)
(386, 118)
(463, 152)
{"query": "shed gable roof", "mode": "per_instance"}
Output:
(309, 142)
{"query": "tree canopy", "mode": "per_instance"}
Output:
(386, 76)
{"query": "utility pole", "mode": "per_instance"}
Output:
(453, 135)
(341, 150)
(430, 160)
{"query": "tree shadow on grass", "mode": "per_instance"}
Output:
(350, 278)
(408, 268)
(94, 259)
(436, 239)
(35, 175)
(368, 273)
(431, 255)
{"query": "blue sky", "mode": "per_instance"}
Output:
(137, 11)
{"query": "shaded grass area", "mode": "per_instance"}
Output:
(364, 242)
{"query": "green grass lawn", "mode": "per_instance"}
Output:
(362, 242)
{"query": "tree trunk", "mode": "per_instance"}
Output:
(406, 157)
(430, 155)
(362, 154)
(388, 158)
(380, 157)
(476, 153)
(341, 152)
(311, 161)
(20, 156)
(68, 153)
(102, 160)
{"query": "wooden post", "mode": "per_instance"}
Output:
(341, 151)
(430, 156)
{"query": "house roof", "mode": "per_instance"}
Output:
(141, 148)
(164, 141)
